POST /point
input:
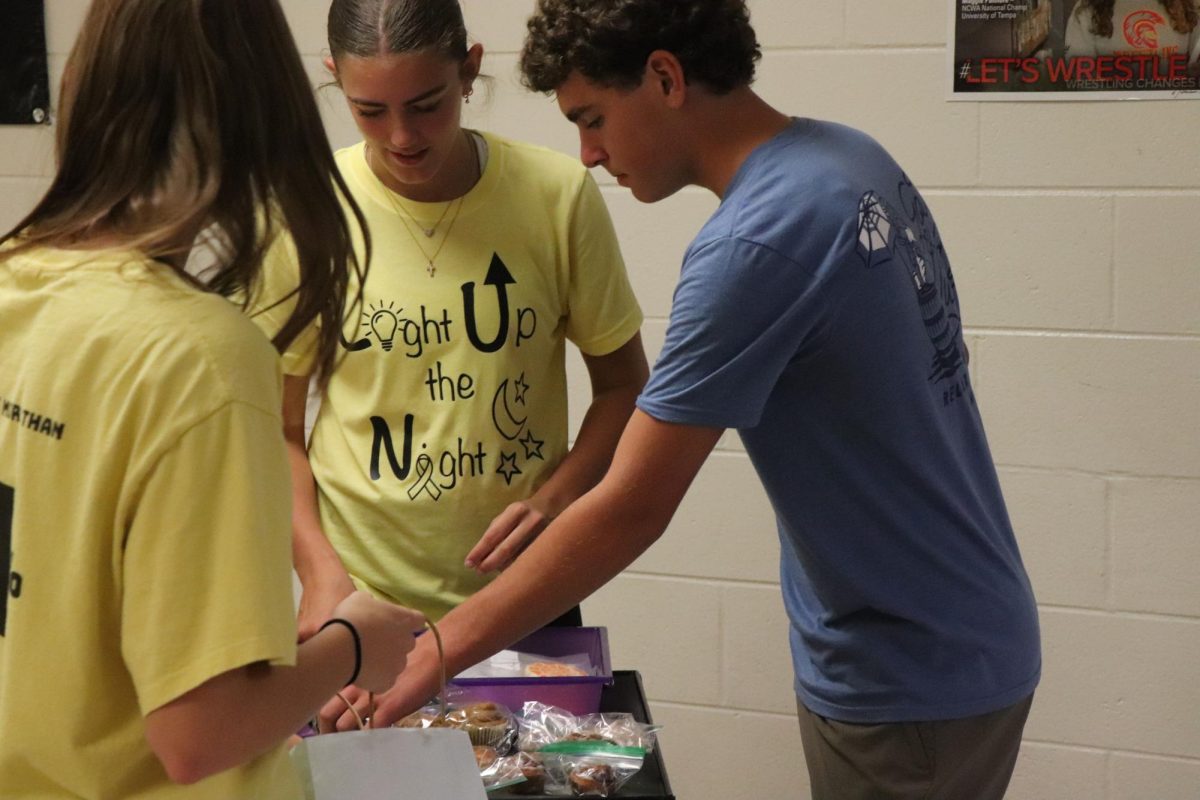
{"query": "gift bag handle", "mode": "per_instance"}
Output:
(364, 724)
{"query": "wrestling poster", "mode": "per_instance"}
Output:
(24, 80)
(1074, 49)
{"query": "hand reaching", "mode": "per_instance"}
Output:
(510, 532)
(386, 637)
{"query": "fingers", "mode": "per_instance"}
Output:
(413, 622)
(516, 541)
(385, 638)
(336, 715)
(501, 527)
(388, 710)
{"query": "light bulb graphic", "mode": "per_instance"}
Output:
(383, 325)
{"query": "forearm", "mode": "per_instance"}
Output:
(586, 546)
(616, 379)
(312, 554)
(588, 459)
(244, 713)
(572, 558)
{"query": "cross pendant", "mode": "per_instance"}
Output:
(430, 269)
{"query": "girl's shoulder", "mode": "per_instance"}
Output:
(535, 162)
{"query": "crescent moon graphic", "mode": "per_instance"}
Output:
(502, 416)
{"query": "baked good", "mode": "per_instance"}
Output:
(553, 669)
(593, 780)
(485, 723)
(580, 736)
(423, 719)
(485, 756)
(534, 773)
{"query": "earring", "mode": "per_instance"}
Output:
(467, 95)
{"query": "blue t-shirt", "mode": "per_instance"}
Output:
(816, 313)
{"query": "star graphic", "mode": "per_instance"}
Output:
(520, 387)
(533, 447)
(508, 467)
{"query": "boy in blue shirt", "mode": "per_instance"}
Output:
(816, 313)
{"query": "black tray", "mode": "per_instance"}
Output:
(650, 783)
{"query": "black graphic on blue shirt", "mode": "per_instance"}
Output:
(908, 238)
(389, 330)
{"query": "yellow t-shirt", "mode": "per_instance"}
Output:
(144, 521)
(450, 402)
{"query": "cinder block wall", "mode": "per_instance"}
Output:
(1071, 229)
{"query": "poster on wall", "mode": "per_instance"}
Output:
(1074, 49)
(24, 78)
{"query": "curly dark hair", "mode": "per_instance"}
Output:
(608, 42)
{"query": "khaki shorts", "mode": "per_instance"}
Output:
(957, 759)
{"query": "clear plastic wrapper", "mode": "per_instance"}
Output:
(592, 755)
(513, 664)
(522, 773)
(486, 723)
(542, 725)
(589, 769)
(427, 717)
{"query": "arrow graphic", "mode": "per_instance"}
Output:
(498, 276)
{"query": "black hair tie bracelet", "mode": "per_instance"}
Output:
(357, 644)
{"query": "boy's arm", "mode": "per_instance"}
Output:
(589, 544)
(617, 378)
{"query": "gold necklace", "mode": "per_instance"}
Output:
(429, 259)
(429, 232)
(393, 198)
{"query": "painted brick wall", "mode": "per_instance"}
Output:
(1071, 230)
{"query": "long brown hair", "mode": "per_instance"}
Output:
(185, 115)
(1184, 16)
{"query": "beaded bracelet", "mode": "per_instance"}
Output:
(357, 644)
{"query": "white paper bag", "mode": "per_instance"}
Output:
(389, 764)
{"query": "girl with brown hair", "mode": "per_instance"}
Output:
(144, 488)
(441, 449)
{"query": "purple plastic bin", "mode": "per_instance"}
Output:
(579, 695)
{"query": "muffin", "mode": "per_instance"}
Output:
(423, 719)
(486, 723)
(580, 736)
(534, 773)
(593, 780)
(485, 756)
